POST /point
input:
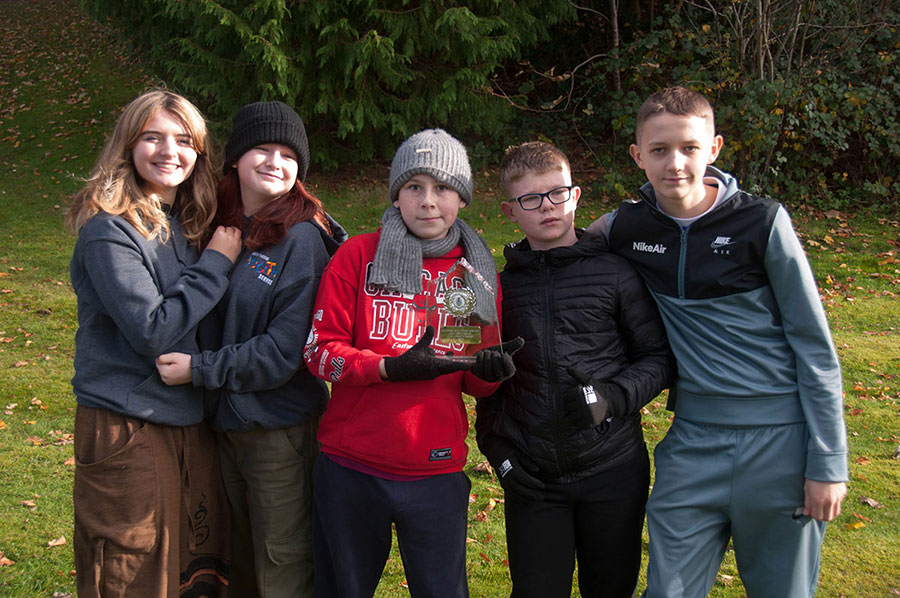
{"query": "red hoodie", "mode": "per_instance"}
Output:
(402, 428)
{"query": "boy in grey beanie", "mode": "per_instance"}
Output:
(393, 436)
(435, 153)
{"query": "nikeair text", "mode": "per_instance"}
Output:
(648, 248)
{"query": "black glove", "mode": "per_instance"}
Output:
(420, 362)
(495, 364)
(593, 403)
(516, 470)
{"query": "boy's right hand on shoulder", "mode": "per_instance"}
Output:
(420, 362)
(516, 470)
(226, 240)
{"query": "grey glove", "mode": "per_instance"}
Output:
(593, 403)
(495, 364)
(420, 362)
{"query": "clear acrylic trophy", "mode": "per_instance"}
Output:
(450, 306)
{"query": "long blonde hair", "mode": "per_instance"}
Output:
(114, 186)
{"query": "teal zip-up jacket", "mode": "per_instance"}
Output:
(743, 317)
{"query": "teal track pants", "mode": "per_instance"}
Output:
(713, 483)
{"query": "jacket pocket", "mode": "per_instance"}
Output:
(406, 429)
(153, 400)
(116, 496)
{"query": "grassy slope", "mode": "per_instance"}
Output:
(63, 79)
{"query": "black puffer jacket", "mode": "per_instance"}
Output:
(583, 307)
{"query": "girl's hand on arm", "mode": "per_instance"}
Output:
(226, 240)
(174, 368)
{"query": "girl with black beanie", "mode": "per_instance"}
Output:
(267, 404)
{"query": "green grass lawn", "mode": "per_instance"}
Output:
(63, 79)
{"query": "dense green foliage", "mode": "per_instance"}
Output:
(806, 91)
(361, 73)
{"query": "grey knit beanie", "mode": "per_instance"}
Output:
(436, 153)
(267, 122)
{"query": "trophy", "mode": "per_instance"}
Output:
(450, 306)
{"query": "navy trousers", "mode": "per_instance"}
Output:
(352, 517)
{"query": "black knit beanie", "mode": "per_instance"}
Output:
(267, 122)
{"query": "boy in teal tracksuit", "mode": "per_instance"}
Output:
(757, 448)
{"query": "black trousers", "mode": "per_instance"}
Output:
(598, 519)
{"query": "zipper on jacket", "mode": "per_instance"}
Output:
(559, 437)
(682, 235)
(682, 259)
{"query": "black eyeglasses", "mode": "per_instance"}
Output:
(533, 201)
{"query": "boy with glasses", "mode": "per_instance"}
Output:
(564, 433)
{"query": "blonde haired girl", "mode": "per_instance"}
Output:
(149, 520)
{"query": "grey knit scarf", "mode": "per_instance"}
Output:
(398, 260)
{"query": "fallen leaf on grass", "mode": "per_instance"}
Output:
(30, 504)
(871, 502)
(862, 461)
(5, 562)
(69, 461)
(63, 438)
(483, 467)
(863, 517)
(855, 525)
(56, 542)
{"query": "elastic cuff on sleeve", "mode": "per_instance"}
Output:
(827, 467)
(368, 368)
(197, 378)
(218, 260)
